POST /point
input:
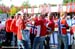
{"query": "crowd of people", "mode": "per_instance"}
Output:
(33, 32)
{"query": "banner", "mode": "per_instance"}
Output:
(70, 7)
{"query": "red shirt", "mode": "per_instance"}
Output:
(51, 24)
(31, 22)
(23, 24)
(42, 23)
(56, 24)
(72, 30)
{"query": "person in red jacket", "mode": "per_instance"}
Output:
(22, 35)
(51, 23)
(32, 29)
(19, 34)
(62, 32)
(13, 29)
(9, 34)
(50, 29)
(13, 26)
(41, 32)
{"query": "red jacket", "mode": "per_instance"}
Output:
(14, 27)
(64, 26)
(19, 25)
(8, 25)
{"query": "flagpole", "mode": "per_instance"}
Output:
(58, 13)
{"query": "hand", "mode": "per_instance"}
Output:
(73, 37)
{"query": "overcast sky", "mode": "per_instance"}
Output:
(32, 2)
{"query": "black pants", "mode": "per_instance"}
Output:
(69, 46)
(25, 44)
(47, 39)
(62, 45)
(32, 36)
(9, 36)
(15, 40)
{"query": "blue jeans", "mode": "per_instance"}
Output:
(38, 43)
(26, 35)
(26, 40)
(25, 44)
(20, 44)
(64, 39)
